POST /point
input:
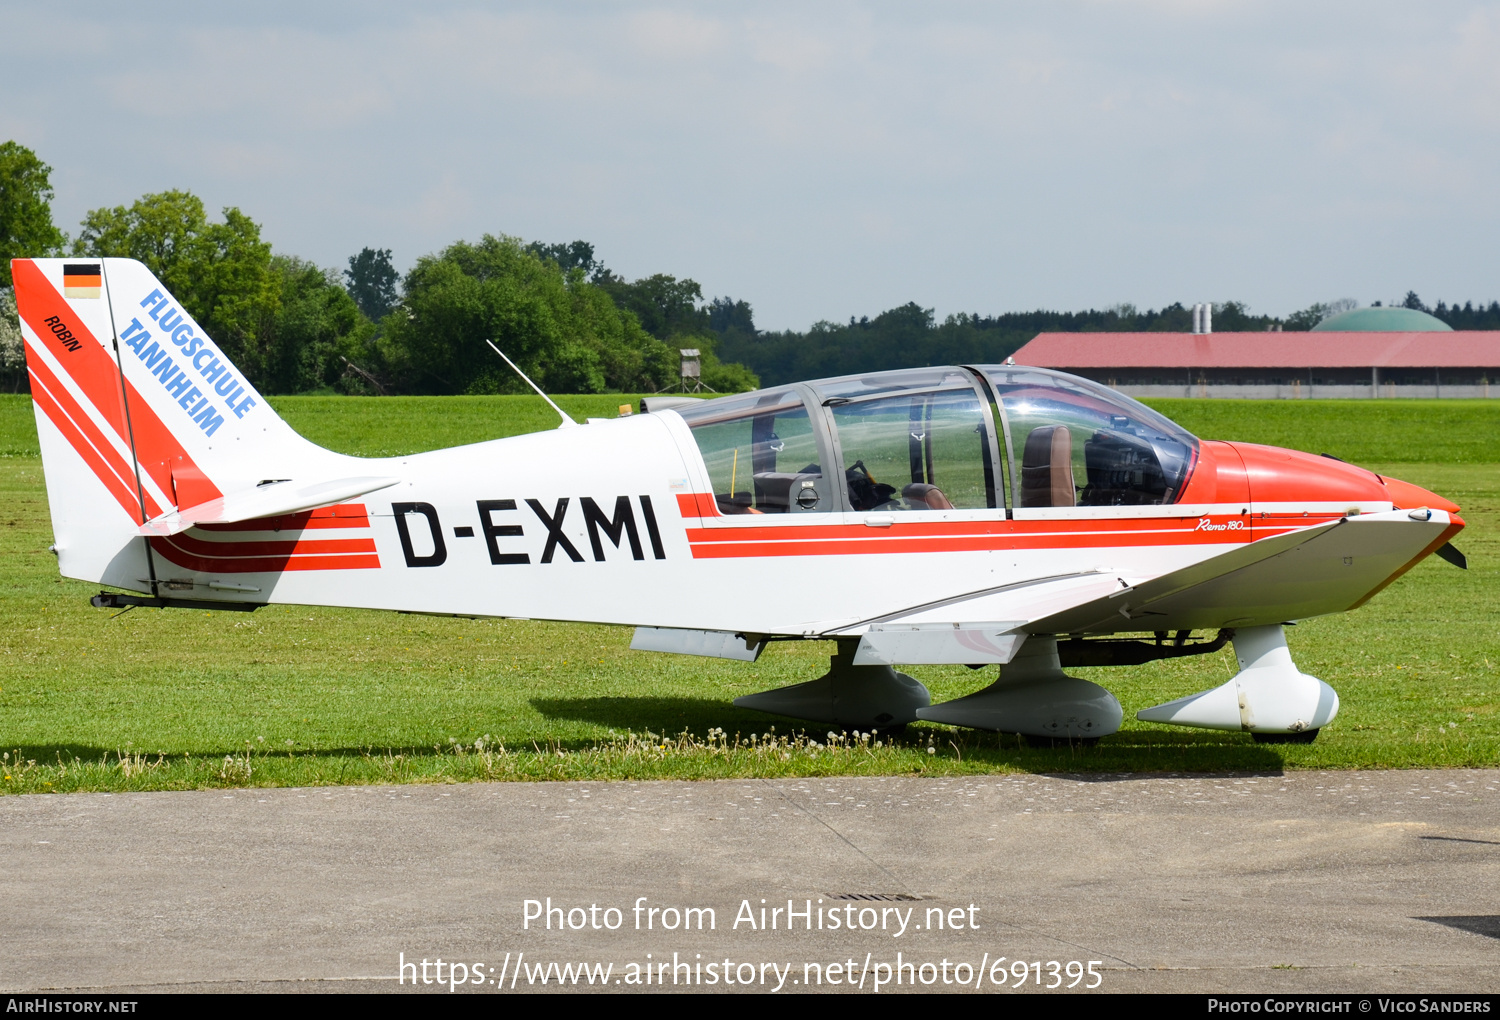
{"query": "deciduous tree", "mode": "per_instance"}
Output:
(372, 282)
(221, 272)
(12, 347)
(26, 228)
(570, 255)
(563, 331)
(302, 344)
(665, 306)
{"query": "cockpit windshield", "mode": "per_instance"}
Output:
(1065, 431)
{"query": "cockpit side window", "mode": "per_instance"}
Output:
(1078, 444)
(761, 453)
(919, 443)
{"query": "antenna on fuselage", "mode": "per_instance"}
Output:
(566, 421)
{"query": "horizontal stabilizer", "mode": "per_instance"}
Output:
(715, 644)
(268, 499)
(939, 643)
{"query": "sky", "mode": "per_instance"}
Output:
(817, 160)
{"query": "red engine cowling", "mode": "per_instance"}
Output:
(1249, 473)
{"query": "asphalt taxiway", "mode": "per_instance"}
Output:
(1296, 882)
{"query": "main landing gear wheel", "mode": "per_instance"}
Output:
(1305, 737)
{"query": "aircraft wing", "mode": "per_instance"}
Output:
(269, 499)
(1327, 568)
(1321, 569)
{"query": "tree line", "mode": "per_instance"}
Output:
(570, 322)
(295, 327)
(911, 336)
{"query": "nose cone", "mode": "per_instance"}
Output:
(1296, 478)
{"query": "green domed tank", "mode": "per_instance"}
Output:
(1382, 320)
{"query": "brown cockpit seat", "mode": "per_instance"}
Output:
(922, 496)
(1047, 468)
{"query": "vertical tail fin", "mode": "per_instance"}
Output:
(139, 413)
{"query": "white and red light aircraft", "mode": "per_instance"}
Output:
(992, 514)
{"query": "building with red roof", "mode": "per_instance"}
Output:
(1284, 365)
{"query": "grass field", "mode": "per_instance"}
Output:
(293, 696)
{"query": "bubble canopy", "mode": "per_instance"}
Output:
(938, 439)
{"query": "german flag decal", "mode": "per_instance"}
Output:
(81, 280)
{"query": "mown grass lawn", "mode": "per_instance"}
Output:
(297, 696)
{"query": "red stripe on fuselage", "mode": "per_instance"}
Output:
(734, 541)
(292, 547)
(175, 549)
(275, 555)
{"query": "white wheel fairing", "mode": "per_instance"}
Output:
(1268, 695)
